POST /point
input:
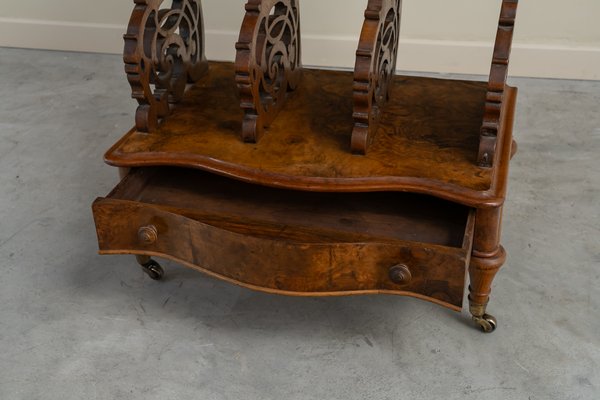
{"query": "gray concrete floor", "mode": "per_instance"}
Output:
(74, 325)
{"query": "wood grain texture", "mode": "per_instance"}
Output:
(350, 217)
(375, 67)
(427, 141)
(496, 94)
(164, 51)
(283, 248)
(268, 62)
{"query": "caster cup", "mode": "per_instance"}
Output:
(153, 270)
(487, 323)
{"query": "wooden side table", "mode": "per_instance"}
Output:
(304, 181)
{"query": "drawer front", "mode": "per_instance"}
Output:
(431, 272)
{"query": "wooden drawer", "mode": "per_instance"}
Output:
(291, 242)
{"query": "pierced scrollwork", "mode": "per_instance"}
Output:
(164, 51)
(375, 67)
(268, 64)
(497, 84)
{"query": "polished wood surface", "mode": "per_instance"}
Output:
(289, 242)
(351, 217)
(427, 140)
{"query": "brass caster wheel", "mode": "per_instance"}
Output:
(153, 270)
(487, 323)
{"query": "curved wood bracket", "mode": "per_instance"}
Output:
(268, 64)
(497, 84)
(375, 67)
(164, 51)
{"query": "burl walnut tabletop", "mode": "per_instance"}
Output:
(427, 139)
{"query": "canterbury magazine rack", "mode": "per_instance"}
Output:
(310, 182)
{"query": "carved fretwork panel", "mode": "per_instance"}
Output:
(268, 64)
(497, 84)
(375, 67)
(164, 51)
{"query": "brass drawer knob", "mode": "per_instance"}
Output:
(148, 234)
(400, 274)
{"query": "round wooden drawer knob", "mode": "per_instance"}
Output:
(148, 234)
(400, 274)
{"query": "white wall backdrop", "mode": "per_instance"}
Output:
(553, 38)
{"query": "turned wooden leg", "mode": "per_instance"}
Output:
(150, 267)
(488, 257)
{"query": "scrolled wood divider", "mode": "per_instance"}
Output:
(268, 61)
(164, 51)
(497, 84)
(375, 66)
